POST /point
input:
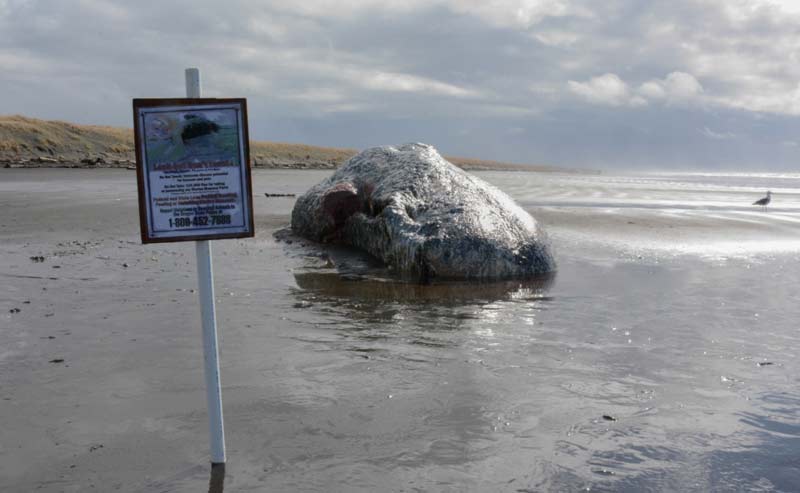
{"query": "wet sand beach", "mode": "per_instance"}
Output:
(661, 356)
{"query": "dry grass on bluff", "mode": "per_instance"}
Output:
(32, 142)
(29, 137)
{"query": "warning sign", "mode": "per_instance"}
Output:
(193, 169)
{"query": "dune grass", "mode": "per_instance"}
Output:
(25, 139)
(33, 137)
(31, 141)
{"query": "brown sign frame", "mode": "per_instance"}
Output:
(141, 172)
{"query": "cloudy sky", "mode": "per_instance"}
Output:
(636, 84)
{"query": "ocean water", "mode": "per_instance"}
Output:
(661, 356)
(710, 215)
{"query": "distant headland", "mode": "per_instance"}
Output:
(33, 143)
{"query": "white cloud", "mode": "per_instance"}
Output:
(104, 9)
(557, 37)
(516, 13)
(768, 97)
(317, 95)
(652, 90)
(606, 89)
(785, 6)
(746, 52)
(610, 89)
(707, 132)
(677, 87)
(393, 81)
(500, 63)
(682, 86)
(500, 13)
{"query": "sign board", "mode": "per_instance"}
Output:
(193, 169)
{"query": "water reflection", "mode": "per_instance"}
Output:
(375, 311)
(333, 285)
(216, 483)
(507, 383)
(426, 350)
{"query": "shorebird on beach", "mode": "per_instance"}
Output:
(765, 201)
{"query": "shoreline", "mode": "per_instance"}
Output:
(33, 143)
(101, 162)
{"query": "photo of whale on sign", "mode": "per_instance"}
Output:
(197, 126)
(425, 218)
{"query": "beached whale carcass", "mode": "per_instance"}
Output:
(424, 217)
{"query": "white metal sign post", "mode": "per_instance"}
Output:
(205, 279)
(194, 185)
